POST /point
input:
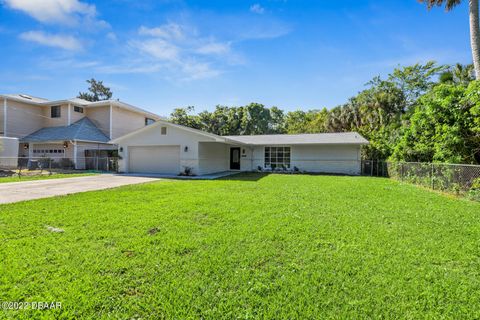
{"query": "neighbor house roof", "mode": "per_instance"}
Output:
(314, 138)
(82, 130)
(25, 98)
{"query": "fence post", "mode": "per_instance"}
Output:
(108, 164)
(431, 177)
(401, 171)
(371, 168)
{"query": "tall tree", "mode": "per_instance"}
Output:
(474, 26)
(413, 80)
(184, 117)
(98, 91)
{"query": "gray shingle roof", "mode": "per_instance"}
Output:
(314, 138)
(83, 130)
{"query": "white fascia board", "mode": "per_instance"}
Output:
(157, 123)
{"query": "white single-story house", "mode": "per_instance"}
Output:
(168, 148)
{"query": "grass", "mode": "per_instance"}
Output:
(278, 247)
(44, 177)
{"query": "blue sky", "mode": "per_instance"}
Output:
(165, 54)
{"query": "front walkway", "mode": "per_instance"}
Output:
(29, 190)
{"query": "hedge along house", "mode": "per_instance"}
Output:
(167, 148)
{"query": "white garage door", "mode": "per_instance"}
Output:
(154, 159)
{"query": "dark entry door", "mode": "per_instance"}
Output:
(234, 158)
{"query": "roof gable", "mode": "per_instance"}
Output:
(163, 122)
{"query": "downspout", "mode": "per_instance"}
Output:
(251, 159)
(74, 152)
(4, 117)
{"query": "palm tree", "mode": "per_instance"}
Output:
(458, 74)
(474, 26)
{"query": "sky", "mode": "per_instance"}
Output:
(163, 54)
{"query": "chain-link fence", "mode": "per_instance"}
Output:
(23, 166)
(453, 178)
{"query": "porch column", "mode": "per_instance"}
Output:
(30, 151)
(69, 113)
(111, 124)
(4, 117)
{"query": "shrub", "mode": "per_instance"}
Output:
(474, 192)
(187, 171)
(66, 163)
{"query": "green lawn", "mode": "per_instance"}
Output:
(278, 247)
(44, 177)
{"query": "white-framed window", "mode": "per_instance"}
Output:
(277, 157)
(48, 151)
(78, 109)
(149, 121)
(163, 131)
(55, 111)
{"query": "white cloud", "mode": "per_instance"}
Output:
(217, 48)
(196, 71)
(65, 42)
(179, 51)
(111, 36)
(168, 31)
(68, 12)
(175, 50)
(158, 49)
(257, 8)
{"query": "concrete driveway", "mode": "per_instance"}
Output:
(29, 190)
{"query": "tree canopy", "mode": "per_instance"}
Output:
(97, 92)
(423, 112)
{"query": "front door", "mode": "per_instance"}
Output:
(234, 158)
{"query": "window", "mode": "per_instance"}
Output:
(78, 109)
(277, 157)
(55, 111)
(163, 131)
(149, 121)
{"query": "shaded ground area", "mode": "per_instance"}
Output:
(247, 246)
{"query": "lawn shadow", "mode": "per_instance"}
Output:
(245, 176)
(256, 176)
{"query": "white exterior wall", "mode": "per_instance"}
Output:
(343, 159)
(75, 116)
(151, 136)
(213, 157)
(8, 152)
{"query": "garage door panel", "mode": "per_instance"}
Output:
(154, 159)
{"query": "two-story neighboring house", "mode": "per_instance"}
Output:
(73, 128)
